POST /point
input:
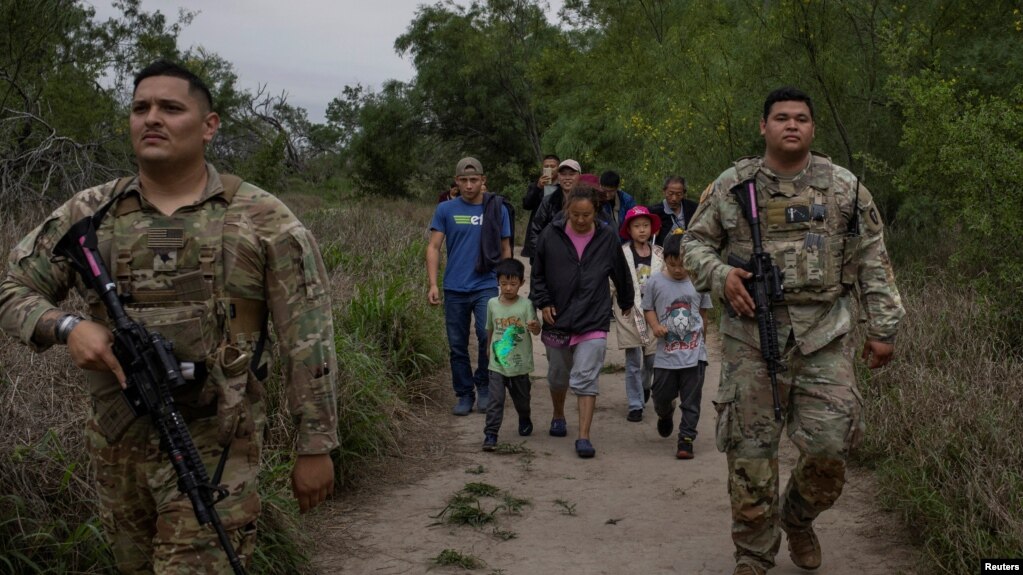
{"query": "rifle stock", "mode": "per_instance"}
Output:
(152, 372)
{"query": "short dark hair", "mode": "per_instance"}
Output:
(673, 247)
(552, 157)
(511, 268)
(610, 179)
(167, 68)
(787, 94)
(674, 180)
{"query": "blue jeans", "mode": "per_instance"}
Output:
(639, 375)
(459, 308)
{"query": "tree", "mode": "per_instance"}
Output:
(475, 76)
(61, 126)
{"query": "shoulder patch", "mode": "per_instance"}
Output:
(875, 219)
(870, 217)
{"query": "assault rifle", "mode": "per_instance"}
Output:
(152, 372)
(764, 287)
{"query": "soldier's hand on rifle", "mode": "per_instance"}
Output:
(312, 480)
(737, 295)
(89, 344)
(876, 353)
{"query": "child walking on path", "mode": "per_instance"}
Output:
(645, 260)
(510, 320)
(676, 314)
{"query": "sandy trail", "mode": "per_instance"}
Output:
(634, 508)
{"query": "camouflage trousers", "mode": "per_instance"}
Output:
(149, 523)
(822, 414)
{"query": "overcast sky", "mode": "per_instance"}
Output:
(309, 48)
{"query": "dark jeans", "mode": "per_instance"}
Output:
(518, 388)
(686, 384)
(459, 309)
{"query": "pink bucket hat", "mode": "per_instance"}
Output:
(639, 212)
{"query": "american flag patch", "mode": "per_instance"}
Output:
(167, 238)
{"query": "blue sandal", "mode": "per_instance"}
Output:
(584, 449)
(559, 427)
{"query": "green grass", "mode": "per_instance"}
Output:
(504, 448)
(514, 505)
(466, 510)
(481, 489)
(452, 558)
(566, 506)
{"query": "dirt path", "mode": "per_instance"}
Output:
(634, 508)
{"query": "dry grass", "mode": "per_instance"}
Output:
(944, 424)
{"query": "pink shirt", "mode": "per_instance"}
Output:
(580, 241)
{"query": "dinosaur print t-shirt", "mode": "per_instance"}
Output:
(511, 347)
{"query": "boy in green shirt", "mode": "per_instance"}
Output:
(509, 317)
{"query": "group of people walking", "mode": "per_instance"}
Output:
(596, 255)
(594, 236)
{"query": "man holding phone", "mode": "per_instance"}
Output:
(537, 191)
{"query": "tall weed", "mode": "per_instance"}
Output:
(943, 420)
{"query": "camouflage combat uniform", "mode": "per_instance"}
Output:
(205, 278)
(804, 224)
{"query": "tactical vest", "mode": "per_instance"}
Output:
(171, 272)
(804, 226)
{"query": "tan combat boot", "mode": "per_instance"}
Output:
(804, 549)
(747, 569)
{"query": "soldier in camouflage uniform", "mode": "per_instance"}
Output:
(821, 227)
(204, 260)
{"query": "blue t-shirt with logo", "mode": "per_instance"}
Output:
(462, 226)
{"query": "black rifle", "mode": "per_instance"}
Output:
(151, 371)
(764, 287)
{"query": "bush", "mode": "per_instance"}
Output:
(964, 174)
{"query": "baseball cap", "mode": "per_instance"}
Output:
(468, 166)
(570, 164)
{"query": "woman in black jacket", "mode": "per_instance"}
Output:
(573, 260)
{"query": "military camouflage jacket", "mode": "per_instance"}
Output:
(805, 225)
(270, 261)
